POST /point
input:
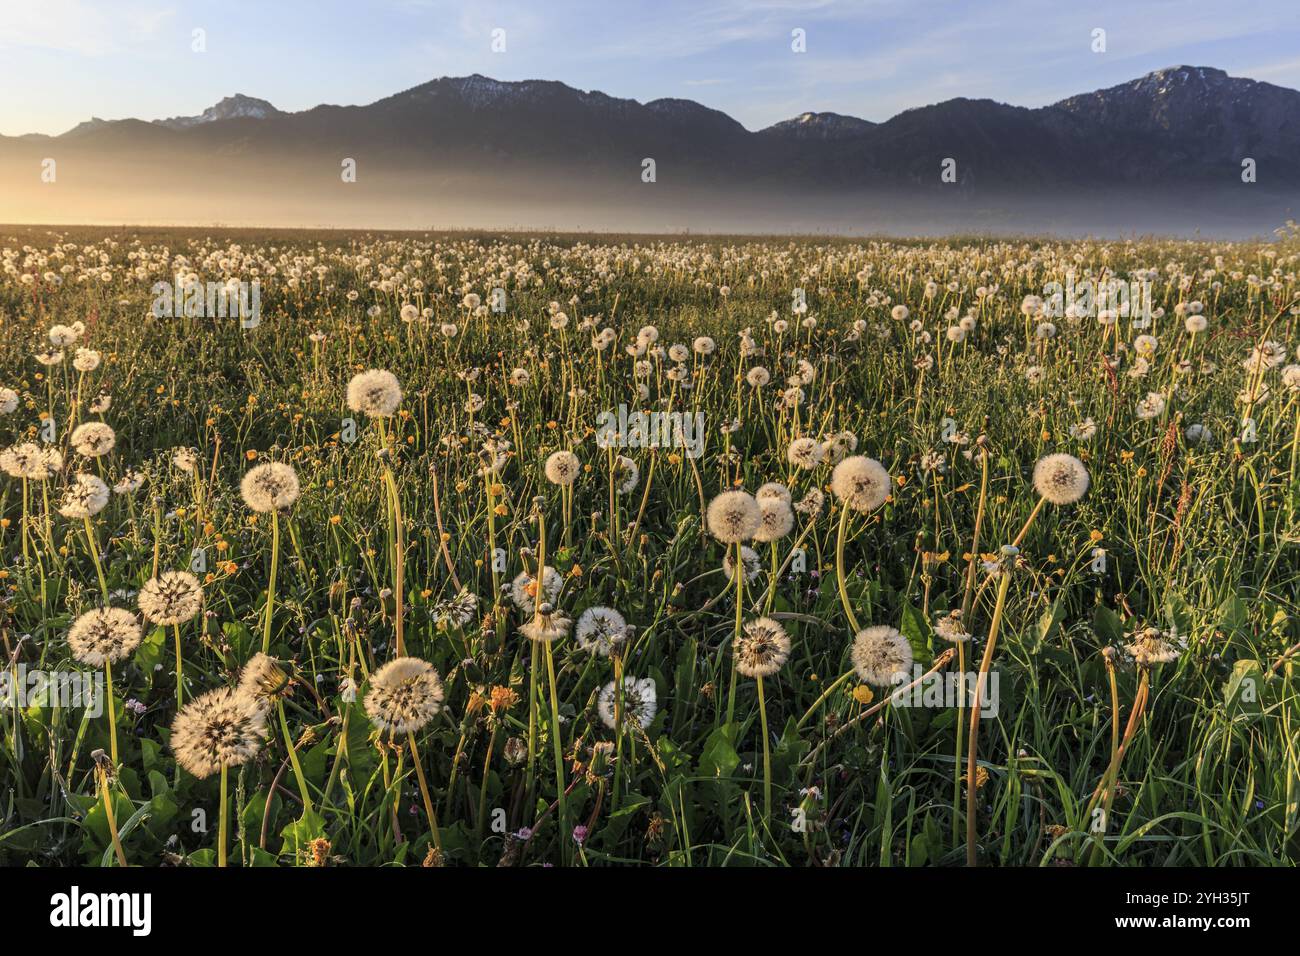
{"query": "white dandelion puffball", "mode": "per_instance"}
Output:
(599, 630)
(85, 497)
(762, 648)
(86, 360)
(881, 656)
(376, 393)
(639, 703)
(627, 473)
(773, 489)
(733, 516)
(749, 561)
(270, 487)
(861, 483)
(1060, 478)
(523, 590)
(222, 728)
(104, 635)
(8, 401)
(778, 519)
(185, 459)
(173, 597)
(562, 468)
(546, 625)
(405, 694)
(805, 453)
(92, 439)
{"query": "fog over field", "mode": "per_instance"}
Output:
(1181, 151)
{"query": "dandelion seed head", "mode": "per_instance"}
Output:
(523, 589)
(861, 483)
(733, 516)
(773, 489)
(640, 702)
(1060, 478)
(85, 497)
(546, 626)
(562, 468)
(600, 629)
(220, 728)
(881, 655)
(263, 680)
(106, 634)
(805, 453)
(376, 393)
(405, 694)
(777, 519)
(272, 486)
(1152, 646)
(173, 597)
(762, 648)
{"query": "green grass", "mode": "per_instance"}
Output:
(1198, 538)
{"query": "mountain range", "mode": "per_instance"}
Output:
(1175, 136)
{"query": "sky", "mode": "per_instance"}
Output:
(64, 61)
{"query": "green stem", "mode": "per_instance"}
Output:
(975, 703)
(293, 760)
(270, 588)
(221, 825)
(767, 756)
(558, 748)
(424, 791)
(839, 568)
(112, 715)
(94, 554)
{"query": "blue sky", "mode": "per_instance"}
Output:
(62, 61)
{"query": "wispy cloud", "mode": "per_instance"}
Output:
(85, 29)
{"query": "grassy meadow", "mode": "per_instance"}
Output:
(1018, 565)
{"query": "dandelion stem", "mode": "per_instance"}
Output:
(957, 741)
(739, 567)
(969, 596)
(94, 553)
(823, 698)
(293, 760)
(973, 744)
(1028, 523)
(767, 755)
(180, 669)
(1106, 788)
(558, 748)
(110, 816)
(270, 587)
(839, 568)
(399, 563)
(221, 817)
(112, 715)
(424, 791)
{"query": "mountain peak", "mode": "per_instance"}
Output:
(828, 126)
(238, 106)
(1184, 72)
